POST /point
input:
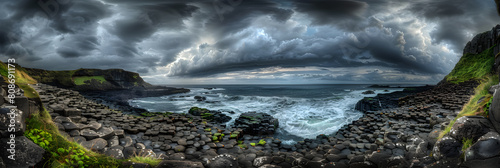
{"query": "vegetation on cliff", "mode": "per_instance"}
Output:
(88, 79)
(474, 67)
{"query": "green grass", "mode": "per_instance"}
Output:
(466, 143)
(145, 159)
(472, 66)
(82, 79)
(22, 79)
(43, 122)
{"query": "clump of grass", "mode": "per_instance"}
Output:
(80, 80)
(466, 143)
(472, 66)
(145, 159)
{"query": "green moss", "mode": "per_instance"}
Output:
(243, 146)
(82, 79)
(253, 144)
(472, 66)
(466, 143)
(262, 142)
(76, 156)
(208, 129)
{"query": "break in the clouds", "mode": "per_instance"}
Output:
(246, 41)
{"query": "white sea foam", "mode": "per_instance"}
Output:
(302, 117)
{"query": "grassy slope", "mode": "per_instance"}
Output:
(474, 67)
(43, 122)
(23, 80)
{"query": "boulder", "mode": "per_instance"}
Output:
(115, 153)
(89, 134)
(211, 115)
(487, 146)
(255, 123)
(368, 92)
(493, 88)
(13, 120)
(96, 144)
(470, 127)
(494, 113)
(105, 132)
(447, 147)
(222, 161)
(27, 153)
(71, 112)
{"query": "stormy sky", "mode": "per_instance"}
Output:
(246, 41)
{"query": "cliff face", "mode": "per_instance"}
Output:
(484, 41)
(89, 79)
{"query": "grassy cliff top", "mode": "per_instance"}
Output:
(472, 67)
(80, 79)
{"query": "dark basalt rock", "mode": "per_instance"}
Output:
(27, 153)
(255, 123)
(494, 113)
(447, 147)
(470, 127)
(200, 98)
(368, 92)
(222, 161)
(211, 115)
(387, 100)
(486, 147)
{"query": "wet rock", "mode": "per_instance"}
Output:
(379, 158)
(494, 113)
(368, 92)
(254, 123)
(262, 161)
(6, 116)
(468, 127)
(115, 153)
(486, 147)
(97, 144)
(89, 134)
(129, 152)
(27, 153)
(447, 147)
(392, 136)
(211, 115)
(72, 112)
(105, 132)
(223, 161)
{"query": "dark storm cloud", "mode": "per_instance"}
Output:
(199, 38)
(331, 12)
(455, 19)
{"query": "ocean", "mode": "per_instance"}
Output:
(303, 111)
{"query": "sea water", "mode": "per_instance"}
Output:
(303, 111)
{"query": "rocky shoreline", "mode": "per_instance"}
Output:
(403, 136)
